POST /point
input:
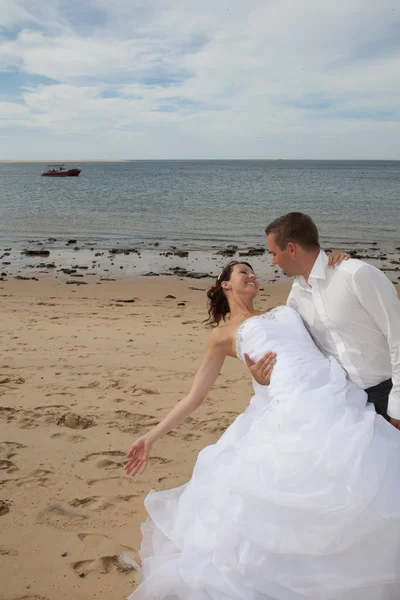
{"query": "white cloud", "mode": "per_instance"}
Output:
(258, 79)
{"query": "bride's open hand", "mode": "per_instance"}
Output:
(138, 456)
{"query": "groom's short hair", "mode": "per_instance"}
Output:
(294, 227)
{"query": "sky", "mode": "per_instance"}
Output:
(204, 79)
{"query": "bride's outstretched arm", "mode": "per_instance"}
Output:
(205, 377)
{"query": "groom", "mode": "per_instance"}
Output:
(352, 311)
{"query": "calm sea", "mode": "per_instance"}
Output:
(198, 204)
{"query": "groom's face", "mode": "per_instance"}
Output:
(282, 258)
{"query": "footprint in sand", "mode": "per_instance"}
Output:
(217, 422)
(118, 400)
(96, 503)
(7, 466)
(9, 379)
(159, 460)
(28, 419)
(38, 477)
(60, 517)
(69, 437)
(7, 551)
(92, 384)
(9, 449)
(138, 390)
(187, 437)
(107, 463)
(59, 394)
(7, 413)
(104, 453)
(102, 564)
(105, 480)
(115, 383)
(50, 407)
(133, 423)
(39, 416)
(106, 555)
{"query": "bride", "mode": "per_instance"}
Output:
(299, 498)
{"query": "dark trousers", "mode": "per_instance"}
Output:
(379, 395)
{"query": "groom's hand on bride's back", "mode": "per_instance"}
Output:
(262, 369)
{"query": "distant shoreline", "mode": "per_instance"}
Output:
(123, 160)
(54, 161)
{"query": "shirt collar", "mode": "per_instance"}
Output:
(319, 269)
(317, 272)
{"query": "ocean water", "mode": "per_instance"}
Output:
(200, 204)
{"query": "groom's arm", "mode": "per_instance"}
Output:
(379, 298)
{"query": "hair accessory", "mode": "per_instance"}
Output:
(231, 264)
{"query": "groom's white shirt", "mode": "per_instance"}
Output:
(353, 313)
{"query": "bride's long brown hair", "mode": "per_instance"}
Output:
(218, 306)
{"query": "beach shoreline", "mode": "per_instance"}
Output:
(84, 261)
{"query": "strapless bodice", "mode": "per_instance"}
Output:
(281, 330)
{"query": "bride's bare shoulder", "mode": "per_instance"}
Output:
(223, 334)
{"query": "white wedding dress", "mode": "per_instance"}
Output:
(299, 499)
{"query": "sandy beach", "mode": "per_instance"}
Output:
(67, 510)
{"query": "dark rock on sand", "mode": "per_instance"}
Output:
(354, 254)
(36, 252)
(125, 251)
(73, 282)
(229, 252)
(67, 271)
(178, 270)
(253, 252)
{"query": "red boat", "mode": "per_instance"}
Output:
(60, 171)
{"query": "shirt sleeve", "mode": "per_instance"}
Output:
(378, 297)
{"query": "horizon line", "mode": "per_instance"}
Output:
(120, 160)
